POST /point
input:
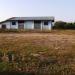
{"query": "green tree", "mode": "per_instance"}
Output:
(60, 25)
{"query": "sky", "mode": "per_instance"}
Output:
(62, 10)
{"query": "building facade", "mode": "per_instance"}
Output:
(42, 23)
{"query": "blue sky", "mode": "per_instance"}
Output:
(61, 9)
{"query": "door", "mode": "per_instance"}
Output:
(21, 24)
(37, 24)
(3, 26)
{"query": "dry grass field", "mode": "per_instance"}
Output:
(39, 53)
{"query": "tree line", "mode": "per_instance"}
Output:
(64, 25)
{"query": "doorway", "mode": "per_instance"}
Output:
(3, 26)
(21, 24)
(37, 24)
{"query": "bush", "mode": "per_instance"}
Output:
(64, 25)
(59, 25)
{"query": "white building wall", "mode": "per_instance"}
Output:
(0, 26)
(41, 25)
(47, 27)
(29, 25)
(14, 26)
(50, 25)
(7, 25)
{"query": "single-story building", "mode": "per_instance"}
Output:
(28, 23)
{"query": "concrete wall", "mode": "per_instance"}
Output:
(28, 25)
(14, 26)
(47, 27)
(7, 25)
(0, 26)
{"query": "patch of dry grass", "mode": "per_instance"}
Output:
(42, 54)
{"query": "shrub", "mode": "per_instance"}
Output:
(59, 25)
(64, 25)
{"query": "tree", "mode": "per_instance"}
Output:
(60, 25)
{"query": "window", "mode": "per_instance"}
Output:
(13, 23)
(46, 23)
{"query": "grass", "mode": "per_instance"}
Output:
(38, 53)
(53, 31)
(23, 31)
